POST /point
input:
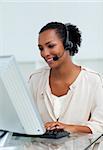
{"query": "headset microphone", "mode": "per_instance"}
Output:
(55, 58)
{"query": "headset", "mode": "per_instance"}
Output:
(68, 44)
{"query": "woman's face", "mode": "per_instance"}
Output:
(50, 45)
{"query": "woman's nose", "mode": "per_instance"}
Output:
(45, 53)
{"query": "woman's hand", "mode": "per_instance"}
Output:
(59, 125)
(67, 127)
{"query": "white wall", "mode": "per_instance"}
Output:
(20, 23)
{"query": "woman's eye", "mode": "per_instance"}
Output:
(51, 46)
(40, 48)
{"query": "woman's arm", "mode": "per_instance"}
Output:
(68, 128)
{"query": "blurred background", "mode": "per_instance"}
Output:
(20, 22)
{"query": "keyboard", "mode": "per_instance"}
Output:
(55, 134)
(50, 134)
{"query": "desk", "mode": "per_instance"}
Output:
(74, 142)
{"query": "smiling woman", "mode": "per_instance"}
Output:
(68, 96)
(50, 46)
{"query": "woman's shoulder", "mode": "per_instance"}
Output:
(39, 72)
(93, 75)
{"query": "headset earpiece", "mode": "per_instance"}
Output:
(68, 43)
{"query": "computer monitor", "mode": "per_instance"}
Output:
(18, 112)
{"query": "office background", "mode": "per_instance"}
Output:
(20, 22)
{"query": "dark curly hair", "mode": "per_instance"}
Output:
(61, 30)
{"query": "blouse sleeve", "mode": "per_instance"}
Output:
(96, 121)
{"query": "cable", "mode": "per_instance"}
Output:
(93, 142)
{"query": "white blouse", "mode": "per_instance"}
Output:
(83, 104)
(57, 103)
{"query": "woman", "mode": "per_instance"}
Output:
(68, 96)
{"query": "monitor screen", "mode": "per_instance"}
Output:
(18, 112)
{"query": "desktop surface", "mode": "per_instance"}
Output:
(74, 142)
